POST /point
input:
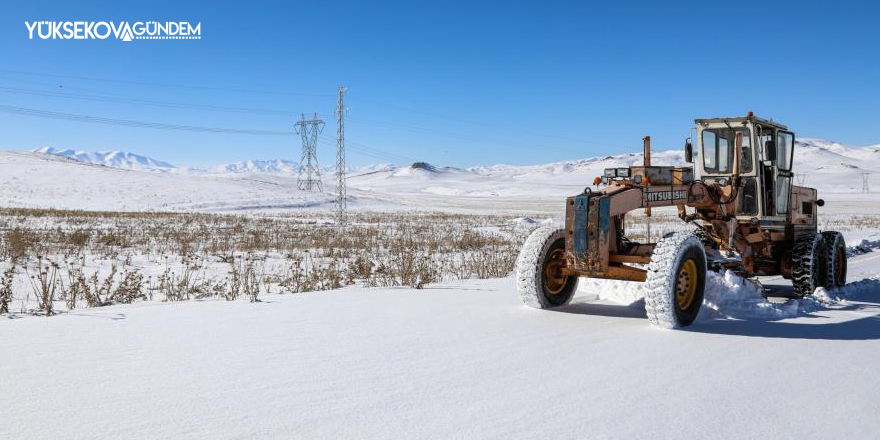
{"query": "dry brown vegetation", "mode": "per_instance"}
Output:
(55, 260)
(91, 259)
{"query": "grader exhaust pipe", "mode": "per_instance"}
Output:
(647, 146)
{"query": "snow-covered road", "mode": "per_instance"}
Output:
(460, 360)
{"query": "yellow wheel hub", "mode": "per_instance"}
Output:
(686, 284)
(554, 280)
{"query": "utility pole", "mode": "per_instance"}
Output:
(309, 172)
(865, 187)
(340, 159)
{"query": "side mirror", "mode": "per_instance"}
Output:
(688, 151)
(820, 202)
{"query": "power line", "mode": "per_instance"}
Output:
(183, 105)
(865, 187)
(133, 123)
(367, 150)
(484, 124)
(169, 85)
(361, 148)
(55, 85)
(454, 135)
(277, 92)
(168, 104)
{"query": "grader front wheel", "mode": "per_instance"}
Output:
(676, 281)
(540, 280)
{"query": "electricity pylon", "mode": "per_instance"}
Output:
(340, 159)
(309, 172)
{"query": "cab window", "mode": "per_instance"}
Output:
(748, 197)
(710, 151)
(784, 148)
(783, 187)
(719, 147)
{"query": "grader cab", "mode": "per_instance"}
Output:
(745, 215)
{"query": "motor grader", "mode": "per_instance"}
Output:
(745, 216)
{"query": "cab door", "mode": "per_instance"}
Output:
(782, 172)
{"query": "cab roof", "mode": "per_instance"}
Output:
(742, 120)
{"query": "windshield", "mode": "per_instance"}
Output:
(719, 145)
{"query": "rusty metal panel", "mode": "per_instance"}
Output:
(626, 200)
(682, 175)
(580, 239)
(659, 175)
(801, 196)
(669, 175)
(603, 232)
(569, 225)
(589, 259)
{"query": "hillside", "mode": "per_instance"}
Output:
(112, 159)
(61, 178)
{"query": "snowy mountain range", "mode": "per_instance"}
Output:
(113, 159)
(127, 181)
(258, 166)
(833, 155)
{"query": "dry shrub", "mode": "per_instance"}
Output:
(6, 289)
(44, 284)
(18, 243)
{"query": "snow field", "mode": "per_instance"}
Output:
(458, 358)
(454, 360)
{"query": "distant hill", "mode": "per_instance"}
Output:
(49, 177)
(113, 159)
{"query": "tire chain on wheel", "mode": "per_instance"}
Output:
(659, 283)
(803, 261)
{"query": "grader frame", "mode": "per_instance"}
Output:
(595, 243)
(749, 218)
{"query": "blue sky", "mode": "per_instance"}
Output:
(452, 83)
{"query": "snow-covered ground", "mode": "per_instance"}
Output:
(462, 360)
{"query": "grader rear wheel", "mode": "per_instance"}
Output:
(809, 263)
(836, 252)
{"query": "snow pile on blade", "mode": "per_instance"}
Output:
(732, 296)
(863, 247)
